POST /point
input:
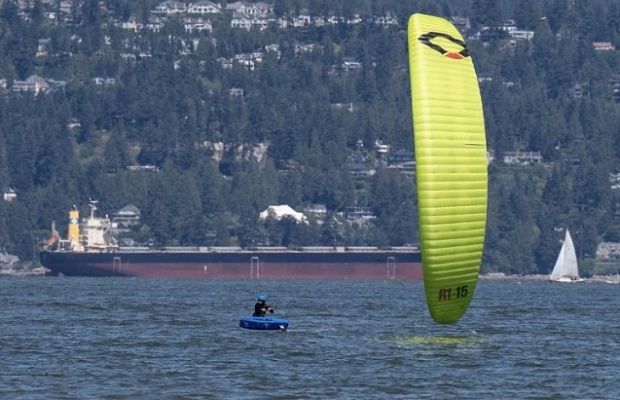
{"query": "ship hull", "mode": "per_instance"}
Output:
(375, 265)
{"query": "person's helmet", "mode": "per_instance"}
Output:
(261, 297)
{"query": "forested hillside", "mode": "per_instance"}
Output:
(233, 112)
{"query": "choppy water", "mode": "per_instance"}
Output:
(68, 338)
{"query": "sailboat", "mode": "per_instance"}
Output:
(566, 269)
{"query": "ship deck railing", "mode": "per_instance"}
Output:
(269, 249)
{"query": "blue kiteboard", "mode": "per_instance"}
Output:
(264, 323)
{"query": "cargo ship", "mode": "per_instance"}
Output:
(91, 250)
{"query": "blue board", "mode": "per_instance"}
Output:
(263, 323)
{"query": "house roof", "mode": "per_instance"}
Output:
(129, 208)
(282, 211)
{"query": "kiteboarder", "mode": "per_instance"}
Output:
(261, 308)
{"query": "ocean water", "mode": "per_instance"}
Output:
(121, 338)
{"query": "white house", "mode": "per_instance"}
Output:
(302, 20)
(274, 48)
(127, 217)
(241, 22)
(9, 195)
(305, 48)
(197, 25)
(282, 211)
(519, 34)
(614, 180)
(522, 157)
(171, 7)
(130, 25)
(319, 211)
(349, 64)
(34, 84)
(386, 21)
(204, 7)
(603, 46)
(251, 10)
(225, 63)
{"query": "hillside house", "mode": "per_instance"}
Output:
(197, 25)
(249, 60)
(354, 20)
(608, 251)
(603, 46)
(250, 10)
(131, 24)
(518, 34)
(9, 194)
(155, 24)
(381, 148)
(66, 6)
(302, 20)
(402, 161)
(283, 211)
(34, 84)
(343, 106)
(171, 7)
(301, 48)
(614, 81)
(350, 64)
(406, 168)
(385, 21)
(614, 181)
(145, 168)
(319, 21)
(576, 92)
(204, 7)
(126, 218)
(241, 22)
(400, 156)
(42, 45)
(101, 81)
(273, 48)
(522, 157)
(318, 211)
(225, 63)
(359, 215)
(357, 164)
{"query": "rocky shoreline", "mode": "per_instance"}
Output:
(10, 265)
(500, 276)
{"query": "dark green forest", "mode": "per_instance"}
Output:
(167, 99)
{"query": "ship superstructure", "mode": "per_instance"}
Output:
(92, 234)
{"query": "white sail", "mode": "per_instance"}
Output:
(566, 269)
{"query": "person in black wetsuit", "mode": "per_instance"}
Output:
(261, 308)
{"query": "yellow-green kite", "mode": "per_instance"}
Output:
(451, 164)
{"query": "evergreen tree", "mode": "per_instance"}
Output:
(115, 156)
(527, 13)
(486, 13)
(4, 170)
